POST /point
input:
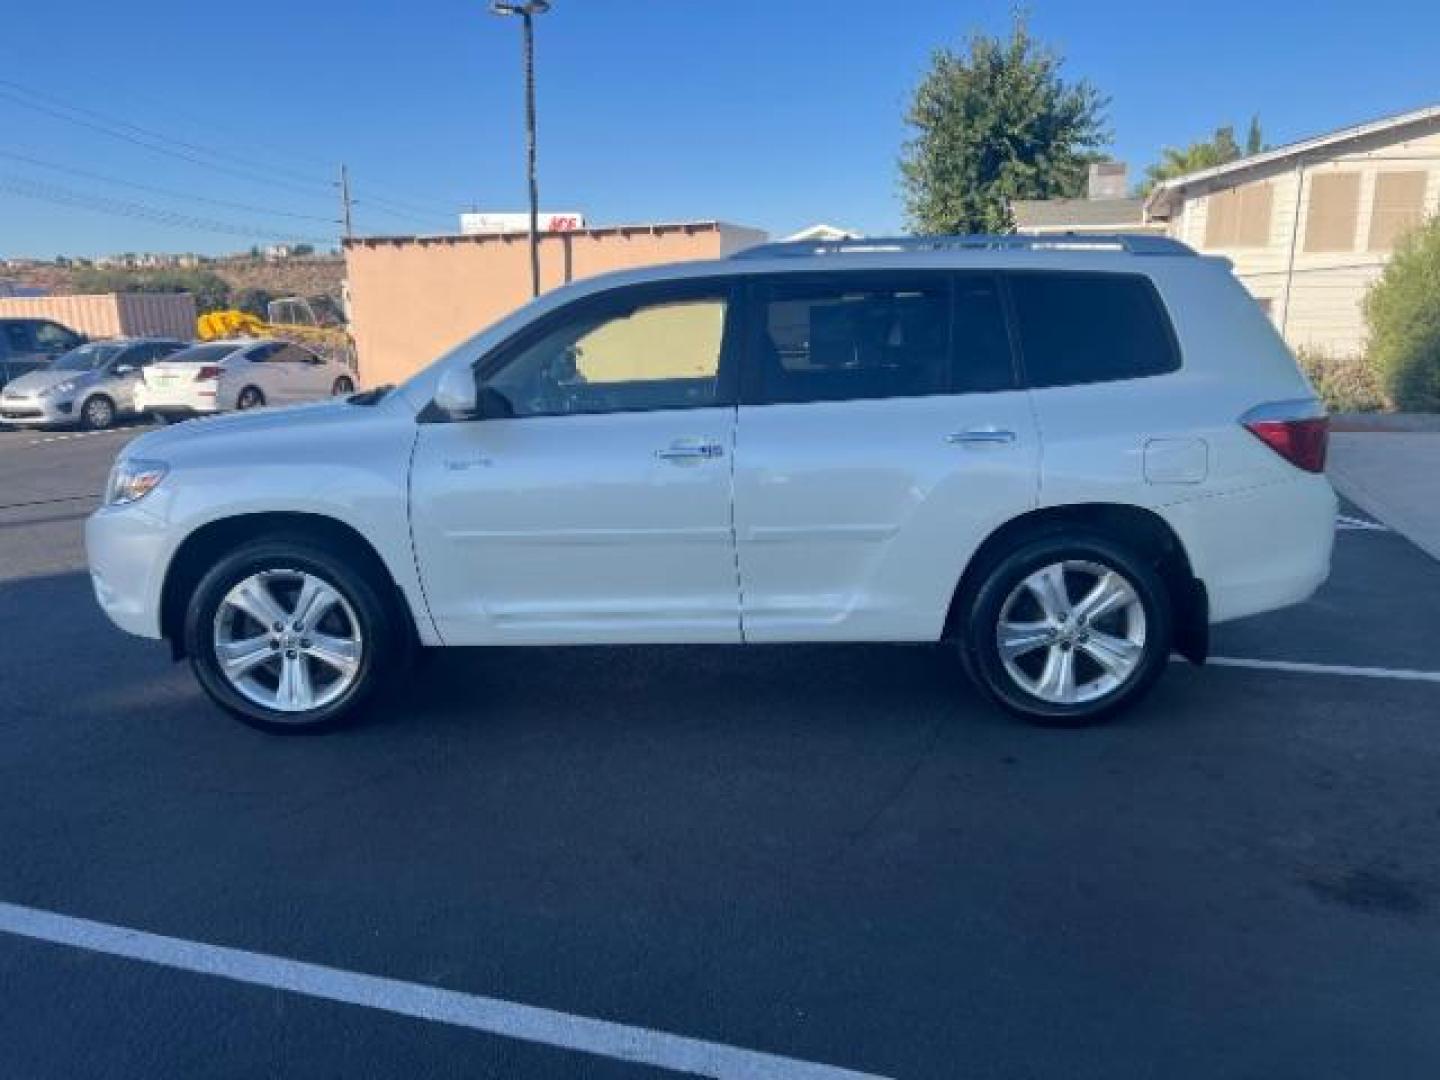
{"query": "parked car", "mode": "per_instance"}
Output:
(244, 373)
(27, 345)
(1066, 459)
(93, 385)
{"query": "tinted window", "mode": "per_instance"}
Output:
(86, 358)
(839, 340)
(264, 354)
(1085, 328)
(17, 336)
(982, 345)
(619, 357)
(203, 354)
(52, 337)
(291, 354)
(139, 356)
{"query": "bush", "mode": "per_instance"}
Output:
(1403, 313)
(1346, 383)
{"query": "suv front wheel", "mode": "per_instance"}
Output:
(1067, 631)
(288, 637)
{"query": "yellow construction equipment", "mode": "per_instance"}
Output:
(290, 317)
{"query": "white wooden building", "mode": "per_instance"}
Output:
(1310, 226)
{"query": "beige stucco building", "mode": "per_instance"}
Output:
(414, 297)
(1310, 226)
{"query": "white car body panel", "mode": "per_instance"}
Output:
(568, 528)
(245, 463)
(853, 518)
(820, 521)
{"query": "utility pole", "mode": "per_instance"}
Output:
(345, 204)
(527, 10)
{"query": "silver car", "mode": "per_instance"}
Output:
(92, 386)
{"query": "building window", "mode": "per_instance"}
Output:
(1398, 207)
(1334, 211)
(1238, 217)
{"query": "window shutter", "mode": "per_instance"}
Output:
(1334, 210)
(1399, 206)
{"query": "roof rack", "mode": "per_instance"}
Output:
(1132, 244)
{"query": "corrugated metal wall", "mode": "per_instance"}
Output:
(111, 314)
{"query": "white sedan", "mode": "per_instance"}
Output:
(248, 373)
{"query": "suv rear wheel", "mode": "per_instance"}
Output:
(288, 637)
(1067, 631)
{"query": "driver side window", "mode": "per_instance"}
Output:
(657, 354)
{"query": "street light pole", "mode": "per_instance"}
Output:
(527, 10)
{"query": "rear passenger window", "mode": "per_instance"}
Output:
(1087, 328)
(982, 347)
(839, 340)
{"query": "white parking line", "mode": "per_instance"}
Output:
(1402, 674)
(492, 1015)
(81, 435)
(1346, 522)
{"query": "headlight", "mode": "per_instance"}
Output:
(59, 389)
(132, 480)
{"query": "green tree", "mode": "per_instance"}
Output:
(254, 300)
(1219, 149)
(1402, 310)
(1255, 140)
(993, 123)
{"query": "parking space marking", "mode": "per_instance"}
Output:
(1346, 522)
(81, 435)
(565, 1031)
(1297, 667)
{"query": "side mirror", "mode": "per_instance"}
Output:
(456, 395)
(125, 369)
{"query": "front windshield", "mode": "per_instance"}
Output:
(86, 358)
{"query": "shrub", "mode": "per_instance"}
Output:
(1345, 382)
(1402, 310)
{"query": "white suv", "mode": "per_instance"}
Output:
(1066, 457)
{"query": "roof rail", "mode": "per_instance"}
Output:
(1133, 244)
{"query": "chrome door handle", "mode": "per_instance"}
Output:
(980, 437)
(690, 451)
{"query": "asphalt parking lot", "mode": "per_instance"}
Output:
(768, 862)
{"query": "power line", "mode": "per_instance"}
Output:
(185, 150)
(168, 192)
(252, 177)
(61, 196)
(143, 133)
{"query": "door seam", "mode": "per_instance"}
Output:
(734, 531)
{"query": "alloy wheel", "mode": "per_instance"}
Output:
(288, 640)
(1068, 651)
(99, 413)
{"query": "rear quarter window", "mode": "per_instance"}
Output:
(1077, 328)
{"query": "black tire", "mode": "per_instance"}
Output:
(97, 413)
(343, 385)
(982, 616)
(386, 641)
(250, 397)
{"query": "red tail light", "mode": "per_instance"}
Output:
(206, 373)
(1299, 431)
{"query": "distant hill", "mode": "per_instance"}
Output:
(311, 277)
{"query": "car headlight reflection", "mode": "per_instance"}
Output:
(131, 480)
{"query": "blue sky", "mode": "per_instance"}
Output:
(774, 114)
